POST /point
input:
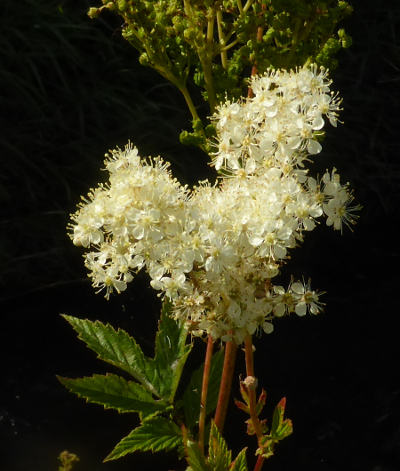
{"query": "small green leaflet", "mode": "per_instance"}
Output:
(219, 457)
(154, 435)
(192, 394)
(281, 428)
(240, 462)
(115, 392)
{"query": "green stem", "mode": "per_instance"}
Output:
(243, 10)
(228, 46)
(204, 50)
(205, 57)
(210, 28)
(208, 79)
(295, 40)
(224, 57)
(247, 5)
(226, 384)
(189, 102)
(204, 391)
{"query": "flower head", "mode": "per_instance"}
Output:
(214, 250)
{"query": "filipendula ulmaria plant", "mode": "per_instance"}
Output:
(216, 44)
(213, 253)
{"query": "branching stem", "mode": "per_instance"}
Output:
(230, 45)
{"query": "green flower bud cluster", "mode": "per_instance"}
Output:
(218, 44)
(156, 30)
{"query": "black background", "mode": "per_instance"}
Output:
(65, 100)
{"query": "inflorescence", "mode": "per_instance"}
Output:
(214, 250)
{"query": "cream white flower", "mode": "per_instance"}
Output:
(215, 250)
(307, 300)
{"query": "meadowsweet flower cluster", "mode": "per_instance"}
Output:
(214, 250)
(279, 126)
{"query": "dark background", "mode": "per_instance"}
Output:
(71, 89)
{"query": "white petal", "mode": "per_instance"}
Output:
(313, 147)
(318, 123)
(297, 287)
(279, 251)
(301, 309)
(279, 310)
(268, 327)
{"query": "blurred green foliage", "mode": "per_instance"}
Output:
(70, 90)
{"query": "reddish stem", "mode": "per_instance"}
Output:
(226, 384)
(204, 391)
(259, 463)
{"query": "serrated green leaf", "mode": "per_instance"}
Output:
(116, 347)
(240, 463)
(156, 434)
(280, 428)
(192, 394)
(171, 352)
(195, 457)
(277, 416)
(114, 392)
(219, 457)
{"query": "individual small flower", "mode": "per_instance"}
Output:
(339, 212)
(338, 207)
(283, 300)
(306, 299)
(170, 285)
